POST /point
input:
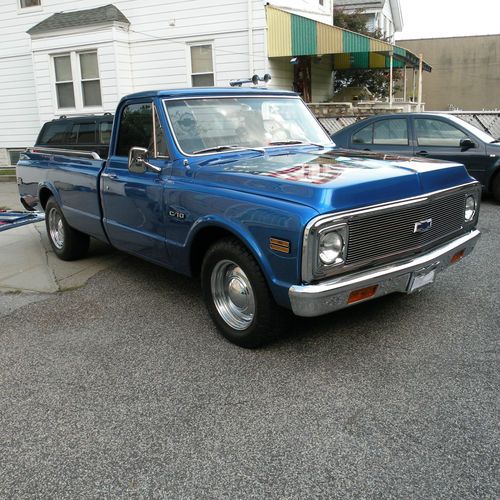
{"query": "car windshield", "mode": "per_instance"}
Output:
(203, 125)
(483, 136)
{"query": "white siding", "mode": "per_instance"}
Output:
(282, 73)
(18, 105)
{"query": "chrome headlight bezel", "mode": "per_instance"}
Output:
(313, 267)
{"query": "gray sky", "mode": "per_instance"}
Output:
(441, 18)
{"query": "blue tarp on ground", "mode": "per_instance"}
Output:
(11, 219)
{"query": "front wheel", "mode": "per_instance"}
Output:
(237, 296)
(66, 242)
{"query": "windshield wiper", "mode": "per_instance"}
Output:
(295, 141)
(227, 147)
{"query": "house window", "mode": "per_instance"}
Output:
(202, 66)
(77, 80)
(64, 82)
(25, 4)
(91, 86)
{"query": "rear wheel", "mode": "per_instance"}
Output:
(237, 296)
(66, 242)
(495, 187)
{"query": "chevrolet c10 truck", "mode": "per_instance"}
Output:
(243, 188)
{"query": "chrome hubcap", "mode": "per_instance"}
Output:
(233, 295)
(56, 228)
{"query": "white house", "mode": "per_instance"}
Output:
(382, 15)
(59, 58)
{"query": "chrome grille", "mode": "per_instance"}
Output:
(374, 237)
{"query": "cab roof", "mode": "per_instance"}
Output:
(210, 92)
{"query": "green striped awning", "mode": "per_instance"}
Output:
(290, 35)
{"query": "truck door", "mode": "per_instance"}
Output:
(133, 213)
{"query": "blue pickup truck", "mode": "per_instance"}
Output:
(243, 188)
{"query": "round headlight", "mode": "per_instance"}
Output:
(330, 247)
(470, 208)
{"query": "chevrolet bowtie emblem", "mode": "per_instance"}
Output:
(422, 226)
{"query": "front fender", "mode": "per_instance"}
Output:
(240, 232)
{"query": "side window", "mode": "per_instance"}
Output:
(391, 132)
(55, 133)
(86, 133)
(363, 136)
(82, 133)
(135, 129)
(432, 132)
(105, 132)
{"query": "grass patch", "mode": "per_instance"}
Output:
(7, 171)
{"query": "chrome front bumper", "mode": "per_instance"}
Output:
(332, 295)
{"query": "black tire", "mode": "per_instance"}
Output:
(495, 187)
(268, 319)
(66, 242)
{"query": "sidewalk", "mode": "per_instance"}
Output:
(27, 263)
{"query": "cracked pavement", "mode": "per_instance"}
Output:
(123, 388)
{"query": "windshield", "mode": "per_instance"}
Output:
(226, 123)
(483, 136)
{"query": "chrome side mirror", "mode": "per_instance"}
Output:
(137, 161)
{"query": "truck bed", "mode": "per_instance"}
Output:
(74, 177)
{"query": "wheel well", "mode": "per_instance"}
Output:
(44, 195)
(203, 241)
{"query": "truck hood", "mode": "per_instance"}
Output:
(334, 180)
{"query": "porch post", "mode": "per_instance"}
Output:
(414, 83)
(391, 59)
(404, 86)
(420, 69)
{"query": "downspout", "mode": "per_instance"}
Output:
(250, 39)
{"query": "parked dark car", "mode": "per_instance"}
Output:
(439, 136)
(83, 133)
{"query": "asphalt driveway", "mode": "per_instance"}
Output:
(124, 388)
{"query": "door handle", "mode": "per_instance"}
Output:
(367, 149)
(422, 153)
(110, 176)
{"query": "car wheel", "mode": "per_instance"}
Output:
(495, 187)
(237, 296)
(66, 242)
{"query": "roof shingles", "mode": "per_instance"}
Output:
(80, 18)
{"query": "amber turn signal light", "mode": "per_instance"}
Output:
(458, 256)
(362, 293)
